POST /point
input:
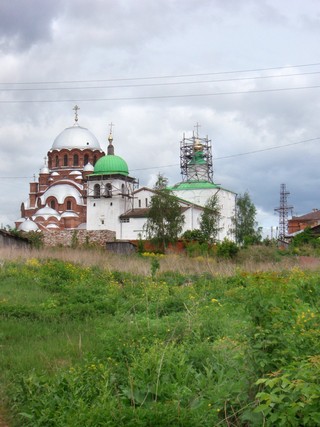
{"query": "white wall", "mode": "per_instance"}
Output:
(227, 202)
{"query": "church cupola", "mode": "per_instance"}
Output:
(111, 164)
(196, 158)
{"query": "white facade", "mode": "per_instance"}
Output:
(200, 196)
(108, 198)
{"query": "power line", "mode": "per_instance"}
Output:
(217, 158)
(28, 89)
(140, 98)
(165, 76)
(240, 154)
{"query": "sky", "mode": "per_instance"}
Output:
(247, 71)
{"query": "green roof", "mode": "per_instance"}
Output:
(111, 165)
(198, 159)
(193, 185)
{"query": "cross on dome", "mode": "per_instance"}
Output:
(111, 126)
(110, 139)
(76, 109)
(197, 126)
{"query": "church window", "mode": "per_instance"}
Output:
(139, 203)
(65, 160)
(75, 160)
(69, 205)
(146, 202)
(108, 190)
(94, 160)
(53, 204)
(86, 159)
(57, 161)
(96, 191)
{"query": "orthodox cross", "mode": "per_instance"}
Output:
(197, 126)
(111, 126)
(76, 109)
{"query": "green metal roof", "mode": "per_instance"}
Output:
(193, 185)
(198, 159)
(110, 165)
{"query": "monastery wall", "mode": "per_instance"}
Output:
(77, 237)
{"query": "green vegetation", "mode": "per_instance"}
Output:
(165, 219)
(83, 346)
(246, 230)
(210, 218)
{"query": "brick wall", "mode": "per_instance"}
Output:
(66, 237)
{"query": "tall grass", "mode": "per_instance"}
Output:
(251, 260)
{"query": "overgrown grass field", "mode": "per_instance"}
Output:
(85, 345)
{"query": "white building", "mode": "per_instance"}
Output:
(115, 203)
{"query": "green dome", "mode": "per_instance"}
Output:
(111, 165)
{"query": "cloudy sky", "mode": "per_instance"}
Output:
(248, 71)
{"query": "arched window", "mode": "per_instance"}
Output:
(94, 160)
(57, 161)
(75, 160)
(65, 160)
(86, 159)
(96, 191)
(69, 205)
(53, 204)
(108, 190)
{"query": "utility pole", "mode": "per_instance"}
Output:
(283, 211)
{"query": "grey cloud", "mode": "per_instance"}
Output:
(25, 22)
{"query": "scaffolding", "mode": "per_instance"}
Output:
(284, 209)
(188, 149)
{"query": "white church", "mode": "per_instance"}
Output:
(108, 198)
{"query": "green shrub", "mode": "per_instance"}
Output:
(227, 249)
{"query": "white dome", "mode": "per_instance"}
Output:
(76, 137)
(52, 226)
(75, 173)
(28, 225)
(60, 192)
(69, 214)
(88, 167)
(44, 170)
(46, 212)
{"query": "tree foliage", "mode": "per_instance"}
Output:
(210, 218)
(246, 228)
(165, 219)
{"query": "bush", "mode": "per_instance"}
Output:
(227, 249)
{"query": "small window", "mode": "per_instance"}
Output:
(86, 159)
(75, 160)
(122, 190)
(65, 160)
(57, 161)
(146, 202)
(69, 205)
(108, 190)
(94, 160)
(125, 220)
(53, 204)
(139, 202)
(96, 191)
